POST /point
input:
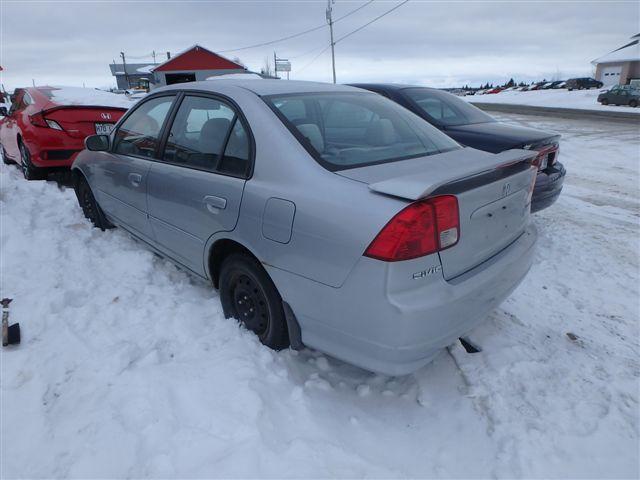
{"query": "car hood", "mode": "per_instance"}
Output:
(496, 136)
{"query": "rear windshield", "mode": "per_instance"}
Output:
(347, 130)
(446, 109)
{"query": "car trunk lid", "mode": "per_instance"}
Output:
(81, 121)
(493, 191)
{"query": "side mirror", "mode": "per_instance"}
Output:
(3, 112)
(97, 143)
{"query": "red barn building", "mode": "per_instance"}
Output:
(195, 63)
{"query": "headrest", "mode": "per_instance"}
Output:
(381, 133)
(213, 134)
(312, 133)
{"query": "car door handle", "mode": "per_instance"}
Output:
(135, 179)
(215, 204)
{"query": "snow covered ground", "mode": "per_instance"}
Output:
(561, 98)
(128, 369)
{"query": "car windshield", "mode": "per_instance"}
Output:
(446, 109)
(347, 130)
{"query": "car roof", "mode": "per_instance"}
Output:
(261, 87)
(390, 86)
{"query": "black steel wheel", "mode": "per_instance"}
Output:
(249, 295)
(633, 103)
(90, 207)
(29, 170)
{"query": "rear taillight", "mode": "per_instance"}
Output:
(424, 227)
(546, 156)
(39, 120)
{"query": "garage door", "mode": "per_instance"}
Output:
(611, 75)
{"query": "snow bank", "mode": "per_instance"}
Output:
(581, 99)
(88, 96)
(128, 368)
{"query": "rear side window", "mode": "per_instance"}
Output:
(346, 130)
(445, 108)
(208, 135)
(139, 134)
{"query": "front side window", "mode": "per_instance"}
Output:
(346, 130)
(200, 133)
(139, 134)
(446, 109)
(17, 104)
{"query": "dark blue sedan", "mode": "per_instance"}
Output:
(472, 127)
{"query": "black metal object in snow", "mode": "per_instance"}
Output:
(10, 333)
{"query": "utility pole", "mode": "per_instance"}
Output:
(333, 53)
(275, 64)
(124, 67)
(153, 54)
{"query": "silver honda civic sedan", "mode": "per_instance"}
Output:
(327, 216)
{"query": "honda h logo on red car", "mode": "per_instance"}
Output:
(105, 116)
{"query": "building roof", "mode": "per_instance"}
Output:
(132, 68)
(197, 58)
(627, 53)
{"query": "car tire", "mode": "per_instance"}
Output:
(633, 103)
(604, 102)
(29, 170)
(89, 206)
(249, 295)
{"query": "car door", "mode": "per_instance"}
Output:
(120, 178)
(195, 188)
(9, 128)
(615, 95)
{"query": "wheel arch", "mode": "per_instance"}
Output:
(218, 251)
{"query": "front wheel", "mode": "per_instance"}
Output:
(90, 207)
(633, 103)
(604, 101)
(29, 170)
(248, 295)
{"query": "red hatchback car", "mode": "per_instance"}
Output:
(46, 126)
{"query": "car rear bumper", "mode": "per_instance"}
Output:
(54, 148)
(548, 186)
(366, 323)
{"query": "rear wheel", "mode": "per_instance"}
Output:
(633, 103)
(89, 206)
(248, 295)
(29, 170)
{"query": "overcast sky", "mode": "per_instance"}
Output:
(439, 43)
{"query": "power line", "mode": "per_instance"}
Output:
(369, 23)
(350, 33)
(295, 35)
(352, 11)
(314, 58)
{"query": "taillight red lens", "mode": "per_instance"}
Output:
(424, 227)
(38, 120)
